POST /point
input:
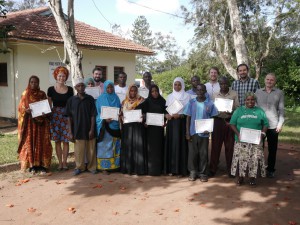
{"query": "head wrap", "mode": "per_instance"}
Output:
(131, 103)
(78, 81)
(61, 69)
(89, 80)
(181, 95)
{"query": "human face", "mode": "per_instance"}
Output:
(109, 89)
(122, 79)
(224, 85)
(213, 75)
(154, 92)
(61, 78)
(195, 81)
(34, 83)
(147, 78)
(80, 88)
(177, 86)
(133, 92)
(243, 72)
(250, 101)
(97, 75)
(90, 84)
(201, 90)
(270, 81)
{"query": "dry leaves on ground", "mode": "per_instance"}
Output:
(32, 210)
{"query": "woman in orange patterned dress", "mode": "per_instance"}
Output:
(35, 149)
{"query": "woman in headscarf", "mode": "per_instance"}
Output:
(133, 156)
(108, 149)
(176, 148)
(155, 103)
(58, 96)
(35, 149)
(89, 82)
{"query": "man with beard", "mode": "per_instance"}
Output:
(244, 84)
(97, 76)
(212, 86)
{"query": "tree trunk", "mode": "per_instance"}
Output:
(67, 31)
(238, 39)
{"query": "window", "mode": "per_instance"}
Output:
(117, 71)
(104, 72)
(3, 74)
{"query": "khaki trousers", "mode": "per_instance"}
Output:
(79, 147)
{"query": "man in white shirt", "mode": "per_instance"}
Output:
(97, 76)
(213, 85)
(121, 87)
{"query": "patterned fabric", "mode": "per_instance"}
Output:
(59, 125)
(109, 156)
(131, 103)
(34, 148)
(249, 156)
(250, 85)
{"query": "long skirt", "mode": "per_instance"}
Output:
(134, 153)
(59, 125)
(249, 156)
(108, 153)
(176, 149)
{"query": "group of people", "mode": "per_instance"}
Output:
(174, 147)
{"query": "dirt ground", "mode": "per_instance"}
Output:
(61, 198)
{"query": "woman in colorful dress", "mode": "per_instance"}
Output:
(134, 153)
(108, 149)
(35, 149)
(155, 103)
(58, 96)
(176, 146)
(248, 156)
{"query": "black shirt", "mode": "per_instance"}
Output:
(59, 100)
(81, 111)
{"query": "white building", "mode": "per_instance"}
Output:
(35, 47)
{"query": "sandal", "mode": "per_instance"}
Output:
(240, 181)
(252, 181)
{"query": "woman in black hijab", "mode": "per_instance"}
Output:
(155, 103)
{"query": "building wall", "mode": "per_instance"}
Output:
(33, 59)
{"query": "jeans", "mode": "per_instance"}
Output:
(272, 138)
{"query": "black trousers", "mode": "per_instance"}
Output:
(272, 138)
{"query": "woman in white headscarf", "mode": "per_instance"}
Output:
(176, 144)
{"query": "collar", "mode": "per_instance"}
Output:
(273, 89)
(220, 94)
(248, 78)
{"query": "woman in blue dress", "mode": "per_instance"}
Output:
(108, 148)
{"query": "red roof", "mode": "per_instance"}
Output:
(39, 25)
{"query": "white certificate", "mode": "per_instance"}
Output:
(93, 91)
(224, 105)
(250, 135)
(204, 125)
(40, 108)
(109, 113)
(155, 119)
(132, 116)
(175, 107)
(144, 92)
(121, 96)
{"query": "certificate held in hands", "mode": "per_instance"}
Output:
(109, 113)
(175, 107)
(155, 119)
(93, 91)
(251, 136)
(224, 105)
(132, 116)
(39, 108)
(204, 125)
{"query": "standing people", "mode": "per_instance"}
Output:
(89, 82)
(81, 113)
(247, 156)
(244, 84)
(144, 89)
(35, 149)
(213, 86)
(155, 103)
(58, 96)
(97, 76)
(134, 156)
(271, 100)
(198, 108)
(121, 88)
(176, 144)
(108, 149)
(222, 132)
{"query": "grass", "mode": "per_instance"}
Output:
(291, 129)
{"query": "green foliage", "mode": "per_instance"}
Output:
(291, 128)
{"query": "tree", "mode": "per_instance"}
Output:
(67, 31)
(3, 10)
(237, 30)
(141, 34)
(13, 5)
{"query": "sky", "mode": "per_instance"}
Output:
(104, 13)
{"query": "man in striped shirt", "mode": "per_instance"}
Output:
(244, 84)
